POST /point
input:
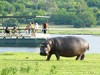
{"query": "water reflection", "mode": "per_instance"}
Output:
(93, 42)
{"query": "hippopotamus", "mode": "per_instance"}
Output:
(68, 46)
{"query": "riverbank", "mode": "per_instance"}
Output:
(75, 31)
(33, 63)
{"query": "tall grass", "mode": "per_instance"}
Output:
(18, 64)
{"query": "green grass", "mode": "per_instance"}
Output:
(68, 29)
(61, 26)
(34, 64)
(75, 32)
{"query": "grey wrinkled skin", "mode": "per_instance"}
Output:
(68, 46)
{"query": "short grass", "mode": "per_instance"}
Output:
(75, 32)
(34, 64)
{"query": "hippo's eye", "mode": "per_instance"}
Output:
(42, 45)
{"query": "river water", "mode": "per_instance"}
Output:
(94, 45)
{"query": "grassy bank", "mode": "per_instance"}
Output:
(68, 29)
(76, 32)
(34, 64)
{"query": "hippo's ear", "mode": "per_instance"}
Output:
(41, 44)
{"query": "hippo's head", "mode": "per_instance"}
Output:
(45, 48)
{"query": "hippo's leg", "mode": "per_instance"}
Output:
(78, 57)
(49, 56)
(82, 57)
(57, 55)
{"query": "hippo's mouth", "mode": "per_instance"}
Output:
(43, 54)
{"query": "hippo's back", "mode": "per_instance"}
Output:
(70, 45)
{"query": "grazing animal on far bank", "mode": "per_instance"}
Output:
(68, 46)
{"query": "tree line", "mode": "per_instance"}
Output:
(80, 13)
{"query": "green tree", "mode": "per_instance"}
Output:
(23, 13)
(19, 7)
(8, 7)
(38, 12)
(70, 18)
(59, 16)
(98, 18)
(12, 1)
(51, 6)
(1, 7)
(77, 12)
(85, 19)
(17, 1)
(93, 3)
(11, 22)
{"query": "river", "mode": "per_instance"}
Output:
(94, 43)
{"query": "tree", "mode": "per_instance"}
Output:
(8, 7)
(38, 12)
(70, 18)
(77, 12)
(78, 23)
(59, 16)
(93, 3)
(17, 1)
(51, 6)
(98, 18)
(85, 19)
(23, 13)
(12, 1)
(1, 7)
(19, 7)
(11, 22)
